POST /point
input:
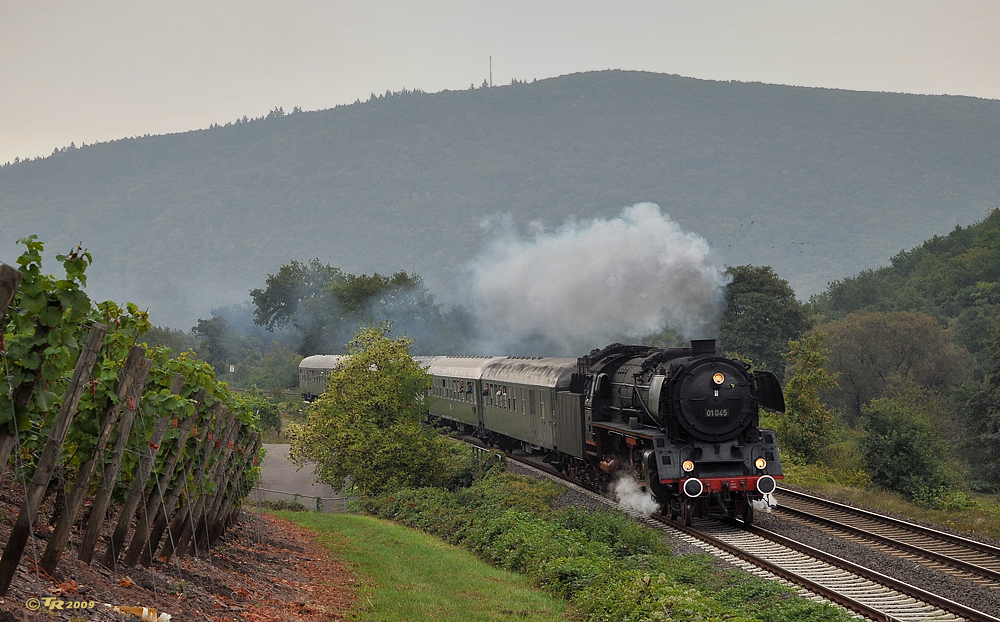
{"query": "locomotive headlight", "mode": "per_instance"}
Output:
(718, 378)
(760, 463)
(688, 466)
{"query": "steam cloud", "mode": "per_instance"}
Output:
(588, 284)
(632, 497)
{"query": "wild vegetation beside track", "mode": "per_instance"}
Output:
(605, 564)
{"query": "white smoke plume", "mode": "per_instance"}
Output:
(590, 283)
(630, 496)
(765, 504)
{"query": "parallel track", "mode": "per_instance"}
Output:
(962, 557)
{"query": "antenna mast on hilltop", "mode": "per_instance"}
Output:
(491, 70)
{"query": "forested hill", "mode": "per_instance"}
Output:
(818, 183)
(955, 278)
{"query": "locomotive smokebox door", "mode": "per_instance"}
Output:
(715, 398)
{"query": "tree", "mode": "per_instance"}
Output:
(761, 316)
(806, 426)
(901, 448)
(273, 371)
(326, 305)
(979, 405)
(290, 295)
(217, 338)
(867, 349)
(356, 293)
(366, 431)
(265, 410)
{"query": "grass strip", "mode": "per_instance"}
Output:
(415, 576)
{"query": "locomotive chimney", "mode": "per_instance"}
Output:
(702, 347)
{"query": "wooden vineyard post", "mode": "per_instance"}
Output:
(147, 517)
(139, 481)
(235, 511)
(123, 389)
(218, 520)
(180, 531)
(10, 279)
(170, 501)
(49, 459)
(199, 528)
(223, 485)
(107, 487)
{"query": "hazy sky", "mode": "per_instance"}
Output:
(98, 70)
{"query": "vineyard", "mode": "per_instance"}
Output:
(129, 454)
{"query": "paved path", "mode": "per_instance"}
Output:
(281, 480)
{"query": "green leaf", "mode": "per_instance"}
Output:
(31, 361)
(34, 303)
(45, 399)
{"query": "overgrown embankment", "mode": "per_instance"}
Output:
(608, 566)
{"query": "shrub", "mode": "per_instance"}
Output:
(902, 451)
(291, 506)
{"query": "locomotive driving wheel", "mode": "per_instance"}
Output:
(687, 509)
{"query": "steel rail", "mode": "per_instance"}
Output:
(946, 560)
(788, 575)
(830, 593)
(920, 529)
(941, 602)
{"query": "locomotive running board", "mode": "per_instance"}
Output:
(624, 430)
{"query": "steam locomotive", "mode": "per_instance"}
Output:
(683, 420)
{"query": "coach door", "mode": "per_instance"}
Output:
(541, 416)
(529, 415)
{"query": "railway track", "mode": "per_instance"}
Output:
(818, 575)
(868, 593)
(955, 555)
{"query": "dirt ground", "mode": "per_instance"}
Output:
(264, 569)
